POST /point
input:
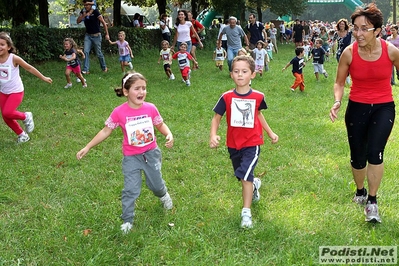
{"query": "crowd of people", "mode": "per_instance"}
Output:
(360, 48)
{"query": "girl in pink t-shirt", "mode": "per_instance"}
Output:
(137, 120)
(125, 52)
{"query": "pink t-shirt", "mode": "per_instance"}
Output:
(184, 32)
(137, 127)
(122, 47)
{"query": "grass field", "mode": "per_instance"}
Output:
(55, 210)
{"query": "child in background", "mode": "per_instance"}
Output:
(219, 55)
(242, 51)
(183, 58)
(93, 7)
(245, 124)
(73, 63)
(12, 88)
(125, 52)
(269, 49)
(166, 56)
(141, 153)
(306, 48)
(298, 63)
(318, 59)
(261, 57)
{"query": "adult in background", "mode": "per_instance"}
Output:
(198, 28)
(273, 36)
(234, 34)
(255, 31)
(297, 33)
(224, 37)
(93, 36)
(394, 39)
(370, 113)
(183, 27)
(163, 24)
(342, 36)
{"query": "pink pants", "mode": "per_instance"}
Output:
(9, 104)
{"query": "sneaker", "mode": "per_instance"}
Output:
(371, 212)
(188, 82)
(325, 74)
(105, 70)
(172, 77)
(126, 227)
(167, 201)
(361, 200)
(292, 89)
(28, 122)
(130, 65)
(68, 85)
(84, 86)
(23, 138)
(85, 72)
(246, 220)
(256, 194)
(78, 80)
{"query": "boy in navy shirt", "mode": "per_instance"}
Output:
(298, 63)
(318, 59)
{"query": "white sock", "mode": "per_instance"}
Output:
(246, 211)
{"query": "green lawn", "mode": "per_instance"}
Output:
(55, 210)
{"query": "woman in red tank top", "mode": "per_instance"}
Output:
(370, 113)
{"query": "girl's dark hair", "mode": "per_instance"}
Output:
(372, 14)
(5, 36)
(127, 81)
(177, 18)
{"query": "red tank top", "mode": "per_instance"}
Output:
(371, 80)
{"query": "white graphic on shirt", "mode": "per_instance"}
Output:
(5, 73)
(242, 112)
(140, 132)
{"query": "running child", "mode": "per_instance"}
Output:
(318, 54)
(125, 52)
(269, 49)
(261, 57)
(141, 153)
(73, 63)
(12, 88)
(166, 56)
(245, 124)
(298, 63)
(219, 55)
(183, 58)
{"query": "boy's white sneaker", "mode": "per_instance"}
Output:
(167, 201)
(28, 122)
(256, 195)
(246, 219)
(126, 227)
(130, 65)
(172, 77)
(188, 82)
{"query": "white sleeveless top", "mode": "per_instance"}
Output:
(10, 80)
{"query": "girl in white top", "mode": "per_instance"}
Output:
(261, 57)
(182, 33)
(12, 88)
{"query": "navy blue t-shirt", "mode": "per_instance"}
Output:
(92, 23)
(297, 64)
(318, 55)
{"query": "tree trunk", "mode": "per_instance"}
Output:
(117, 13)
(259, 11)
(43, 13)
(161, 6)
(194, 8)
